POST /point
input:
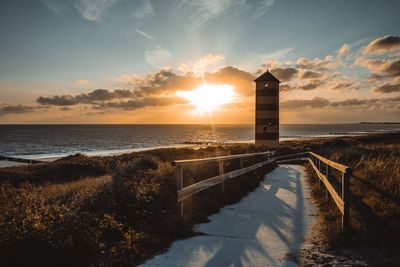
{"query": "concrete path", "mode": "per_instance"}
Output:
(266, 228)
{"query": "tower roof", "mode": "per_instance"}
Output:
(267, 76)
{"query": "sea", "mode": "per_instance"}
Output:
(54, 141)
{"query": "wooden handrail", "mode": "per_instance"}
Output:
(186, 162)
(343, 201)
(338, 200)
(317, 161)
(202, 185)
(185, 192)
(337, 166)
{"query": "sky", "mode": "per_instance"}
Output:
(194, 61)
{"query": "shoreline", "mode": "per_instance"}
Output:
(195, 145)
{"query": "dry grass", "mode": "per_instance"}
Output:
(104, 211)
(375, 197)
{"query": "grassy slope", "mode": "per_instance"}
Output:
(115, 211)
(375, 198)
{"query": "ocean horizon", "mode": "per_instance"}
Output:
(38, 141)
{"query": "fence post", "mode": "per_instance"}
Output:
(254, 162)
(221, 171)
(179, 184)
(346, 198)
(319, 168)
(328, 173)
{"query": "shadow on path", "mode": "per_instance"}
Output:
(266, 228)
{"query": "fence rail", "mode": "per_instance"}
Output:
(185, 192)
(322, 166)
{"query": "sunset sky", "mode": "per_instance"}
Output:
(194, 61)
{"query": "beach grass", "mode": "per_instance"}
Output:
(374, 200)
(112, 211)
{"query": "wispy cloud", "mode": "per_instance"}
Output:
(15, 109)
(53, 5)
(264, 7)
(202, 11)
(158, 57)
(144, 11)
(93, 9)
(148, 36)
(83, 82)
(261, 57)
(202, 64)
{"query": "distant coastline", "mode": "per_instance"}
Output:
(371, 122)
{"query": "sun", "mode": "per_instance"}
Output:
(208, 98)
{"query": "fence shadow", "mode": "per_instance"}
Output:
(263, 229)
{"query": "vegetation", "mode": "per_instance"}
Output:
(123, 209)
(375, 196)
(105, 211)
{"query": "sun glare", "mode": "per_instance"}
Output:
(208, 98)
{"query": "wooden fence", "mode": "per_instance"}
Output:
(322, 166)
(185, 192)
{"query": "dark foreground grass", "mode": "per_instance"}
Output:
(106, 211)
(375, 196)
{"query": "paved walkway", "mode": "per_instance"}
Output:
(266, 228)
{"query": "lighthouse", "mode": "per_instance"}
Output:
(267, 110)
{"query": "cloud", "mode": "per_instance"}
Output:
(317, 102)
(93, 9)
(66, 109)
(313, 84)
(83, 82)
(344, 50)
(317, 64)
(388, 88)
(388, 67)
(280, 53)
(142, 103)
(154, 89)
(92, 97)
(53, 5)
(345, 86)
(202, 11)
(263, 8)
(163, 81)
(158, 57)
(284, 74)
(168, 81)
(324, 103)
(15, 109)
(201, 65)
(310, 75)
(286, 87)
(146, 10)
(382, 45)
(148, 36)
(241, 80)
